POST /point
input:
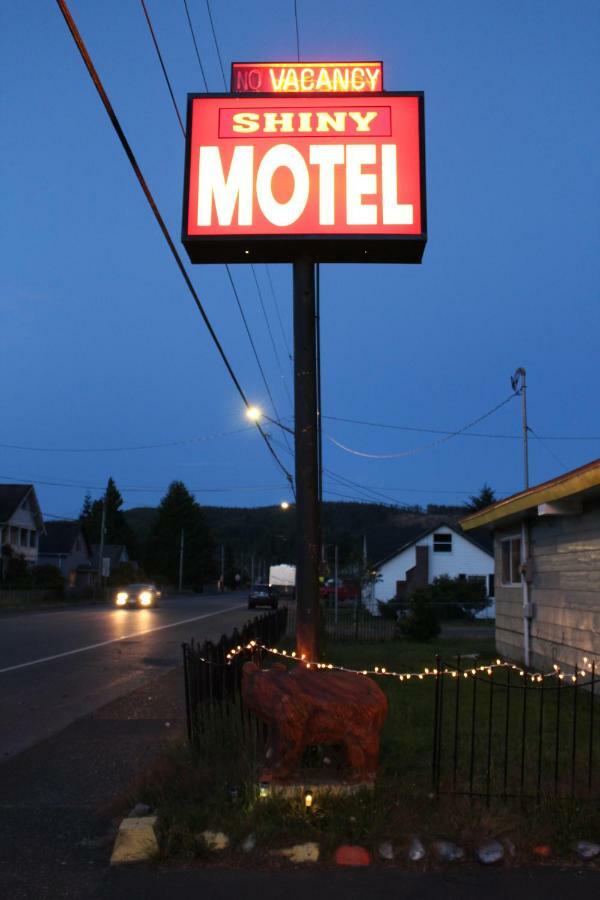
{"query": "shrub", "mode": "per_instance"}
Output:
(421, 623)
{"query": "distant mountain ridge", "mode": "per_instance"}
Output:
(269, 532)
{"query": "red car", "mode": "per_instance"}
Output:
(345, 591)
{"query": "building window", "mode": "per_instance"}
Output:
(32, 537)
(442, 543)
(511, 561)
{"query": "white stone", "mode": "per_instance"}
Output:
(587, 850)
(490, 853)
(215, 840)
(448, 852)
(416, 850)
(386, 850)
(249, 844)
(136, 840)
(300, 853)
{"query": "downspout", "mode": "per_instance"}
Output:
(526, 588)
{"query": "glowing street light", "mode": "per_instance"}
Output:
(284, 504)
(253, 413)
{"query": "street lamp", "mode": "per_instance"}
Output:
(255, 414)
(284, 504)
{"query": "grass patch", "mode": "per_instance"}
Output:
(192, 788)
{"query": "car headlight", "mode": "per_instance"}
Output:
(122, 598)
(145, 598)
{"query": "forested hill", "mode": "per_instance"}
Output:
(269, 532)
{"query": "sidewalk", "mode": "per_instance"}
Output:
(57, 801)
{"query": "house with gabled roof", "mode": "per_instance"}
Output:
(547, 565)
(65, 546)
(21, 522)
(441, 549)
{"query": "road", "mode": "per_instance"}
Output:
(60, 665)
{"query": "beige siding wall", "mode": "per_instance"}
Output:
(565, 592)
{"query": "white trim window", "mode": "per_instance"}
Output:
(511, 561)
(442, 543)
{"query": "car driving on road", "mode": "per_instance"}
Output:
(142, 595)
(262, 595)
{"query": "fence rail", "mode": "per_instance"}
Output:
(213, 681)
(351, 622)
(510, 737)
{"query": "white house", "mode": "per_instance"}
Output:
(21, 523)
(441, 550)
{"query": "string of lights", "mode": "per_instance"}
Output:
(587, 667)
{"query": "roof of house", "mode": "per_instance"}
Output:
(482, 540)
(12, 495)
(60, 538)
(570, 484)
(114, 552)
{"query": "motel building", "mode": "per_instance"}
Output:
(547, 570)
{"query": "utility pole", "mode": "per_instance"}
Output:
(306, 452)
(222, 567)
(181, 560)
(101, 550)
(251, 570)
(335, 580)
(519, 383)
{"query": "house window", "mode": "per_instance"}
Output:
(442, 543)
(24, 537)
(32, 537)
(511, 561)
(14, 535)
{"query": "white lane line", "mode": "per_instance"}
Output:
(124, 637)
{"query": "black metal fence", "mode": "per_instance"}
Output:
(512, 735)
(350, 622)
(211, 680)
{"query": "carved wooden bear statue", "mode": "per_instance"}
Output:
(304, 707)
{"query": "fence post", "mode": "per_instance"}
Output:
(435, 784)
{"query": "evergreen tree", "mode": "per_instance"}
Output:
(485, 497)
(178, 510)
(116, 531)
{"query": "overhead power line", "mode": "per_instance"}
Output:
(138, 489)
(147, 193)
(187, 12)
(227, 268)
(424, 447)
(297, 29)
(194, 440)
(214, 34)
(477, 434)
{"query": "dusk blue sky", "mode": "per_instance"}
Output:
(101, 345)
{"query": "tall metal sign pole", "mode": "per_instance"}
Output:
(305, 163)
(306, 452)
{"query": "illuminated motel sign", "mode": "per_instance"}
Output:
(302, 78)
(339, 177)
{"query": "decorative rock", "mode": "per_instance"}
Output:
(490, 853)
(249, 844)
(300, 853)
(140, 810)
(321, 707)
(136, 840)
(587, 850)
(448, 852)
(416, 850)
(386, 850)
(351, 855)
(215, 840)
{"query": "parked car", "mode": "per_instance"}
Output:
(263, 595)
(346, 591)
(141, 595)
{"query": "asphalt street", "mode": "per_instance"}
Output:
(60, 665)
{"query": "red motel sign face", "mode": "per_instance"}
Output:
(307, 78)
(340, 178)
